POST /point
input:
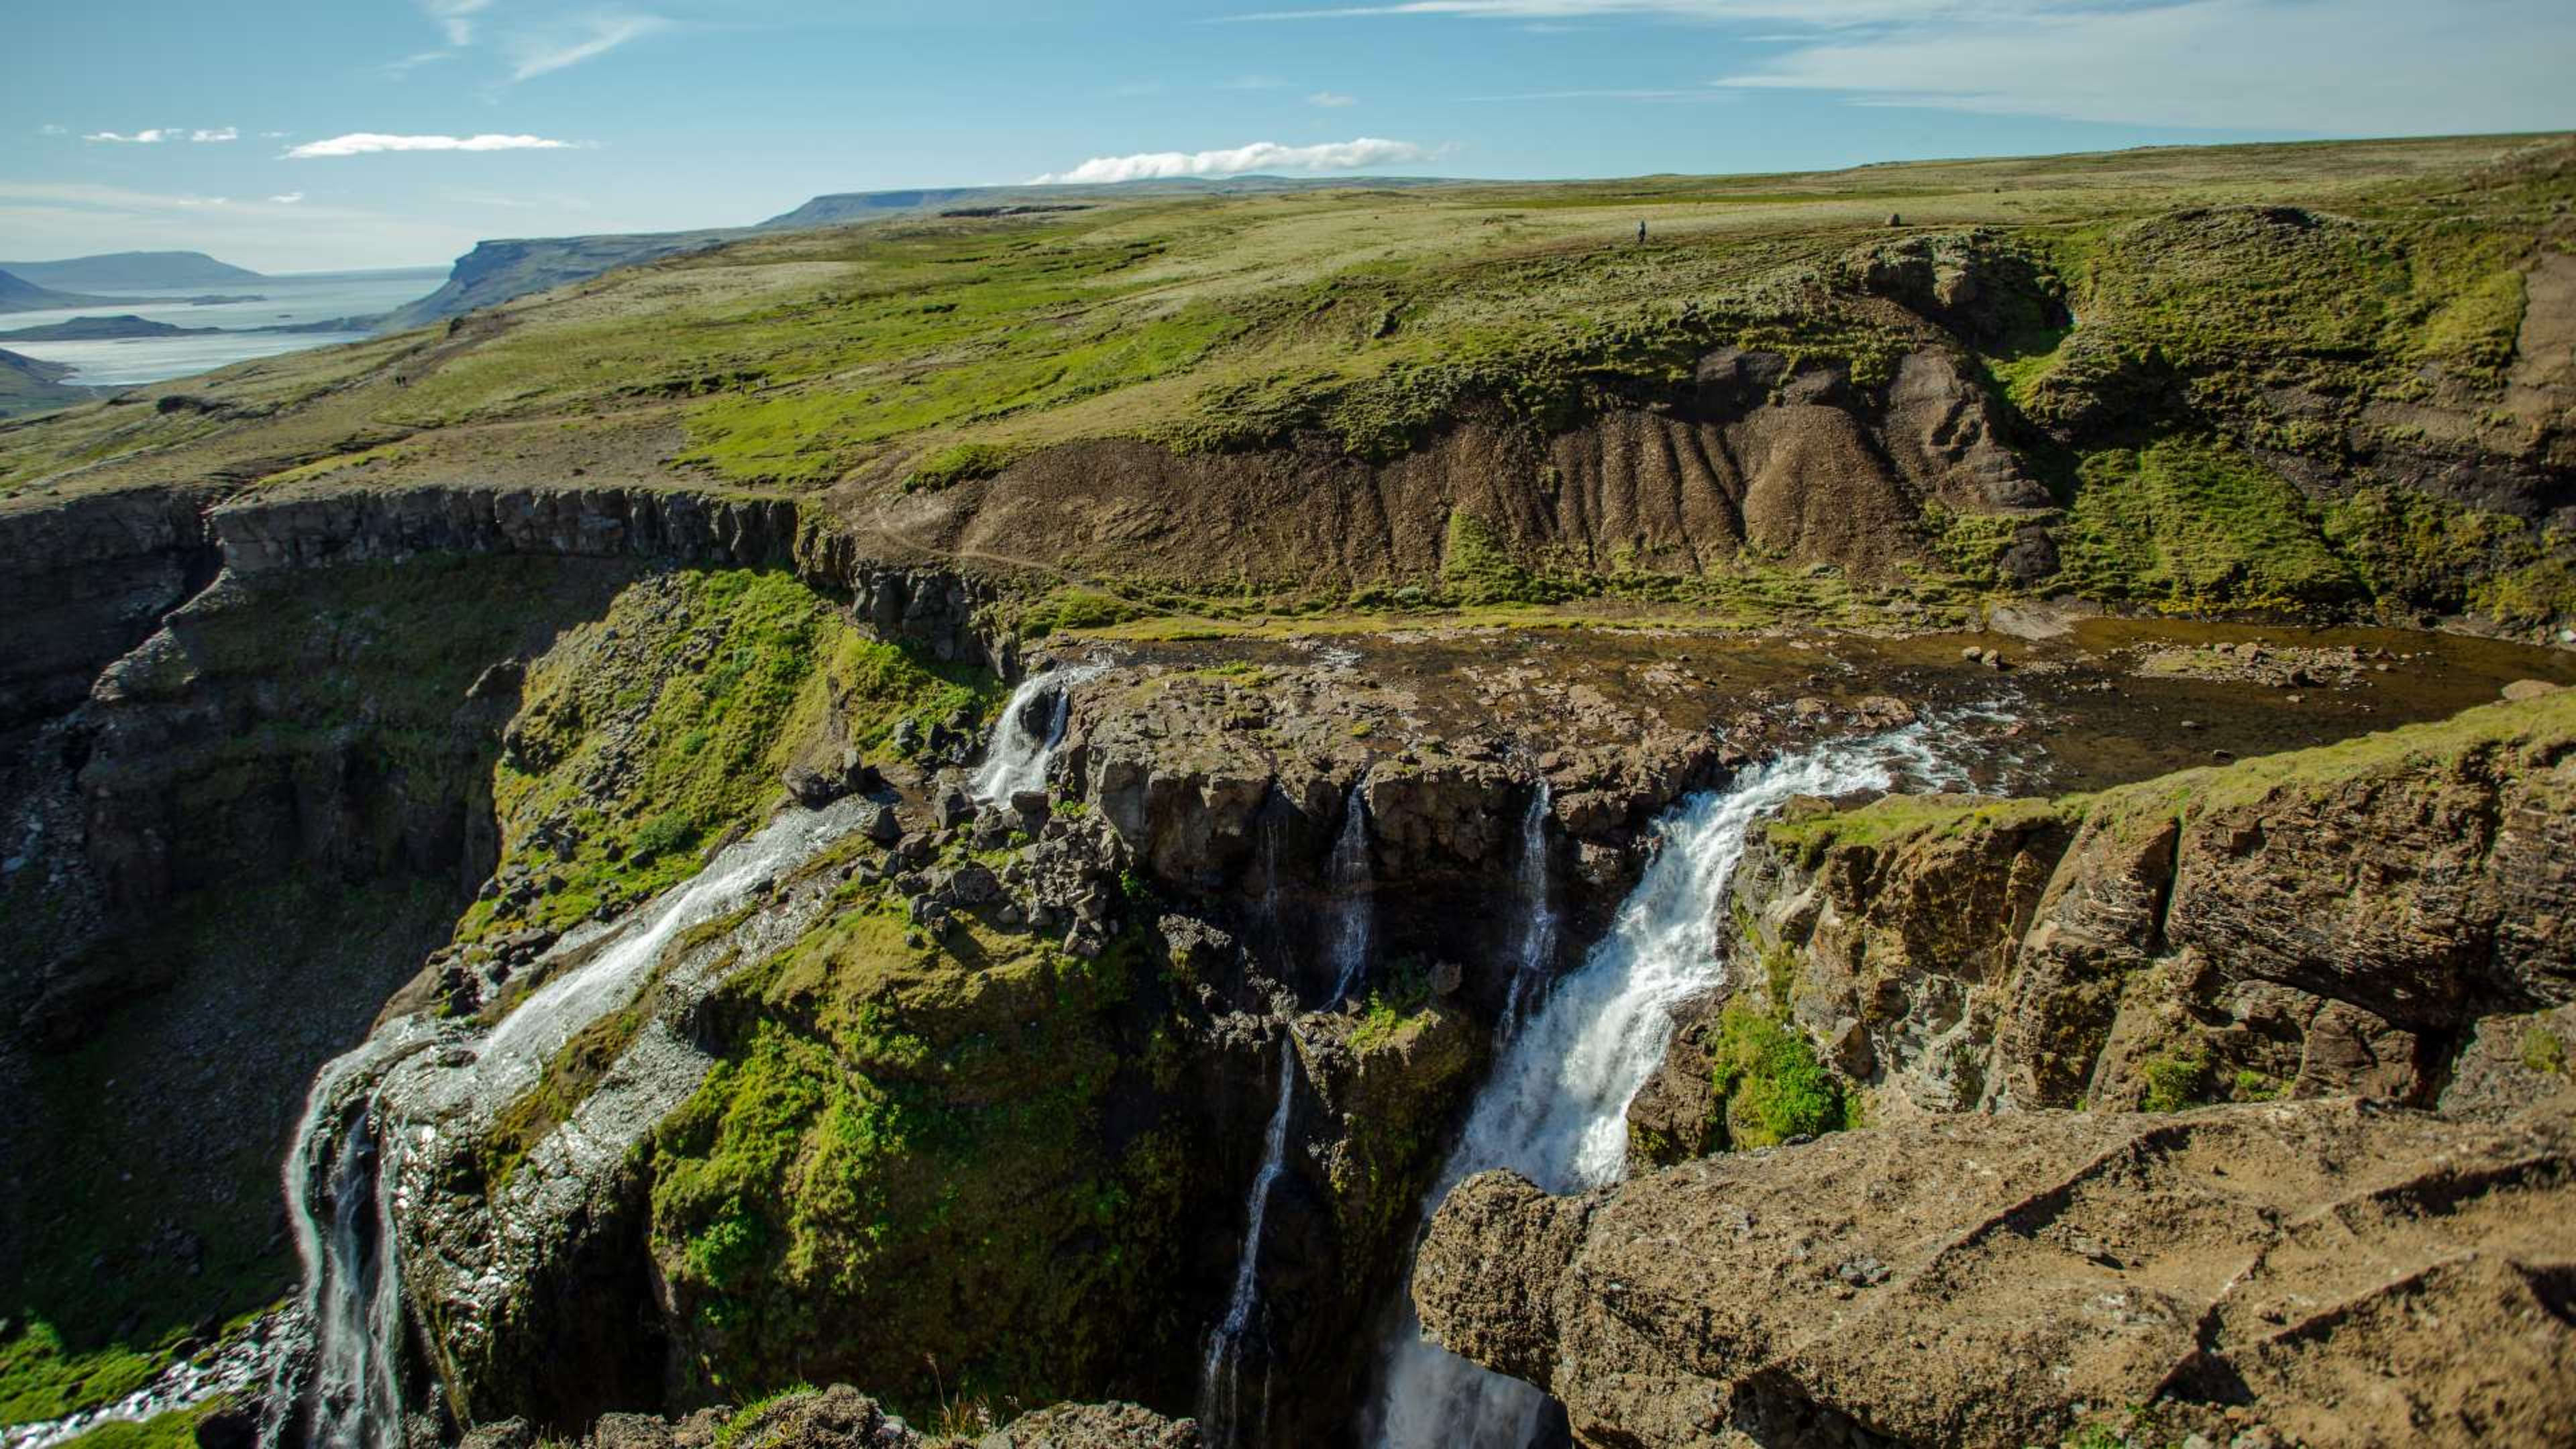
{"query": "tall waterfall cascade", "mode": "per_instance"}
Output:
(1221, 1406)
(1538, 916)
(1555, 1108)
(339, 1373)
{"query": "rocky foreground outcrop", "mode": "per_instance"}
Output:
(2328, 1273)
(2338, 984)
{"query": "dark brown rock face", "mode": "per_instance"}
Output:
(83, 582)
(2336, 1273)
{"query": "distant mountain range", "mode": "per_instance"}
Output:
(132, 269)
(850, 206)
(17, 294)
(499, 271)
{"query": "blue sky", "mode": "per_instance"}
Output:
(304, 135)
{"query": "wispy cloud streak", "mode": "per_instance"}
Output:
(1352, 155)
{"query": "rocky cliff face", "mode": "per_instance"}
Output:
(83, 582)
(2250, 1274)
(1754, 455)
(2309, 925)
(2361, 950)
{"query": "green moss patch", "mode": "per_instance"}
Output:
(1768, 1083)
(2196, 525)
(905, 1155)
(654, 733)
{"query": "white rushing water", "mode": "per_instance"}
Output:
(1353, 879)
(1220, 1375)
(1538, 917)
(1555, 1108)
(232, 1367)
(1017, 758)
(341, 1173)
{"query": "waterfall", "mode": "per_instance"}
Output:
(340, 1374)
(1017, 758)
(1220, 1386)
(1555, 1108)
(1353, 879)
(1538, 917)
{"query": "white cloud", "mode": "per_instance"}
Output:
(155, 135)
(2370, 67)
(1331, 100)
(534, 55)
(456, 17)
(409, 63)
(1240, 160)
(50, 129)
(289, 198)
(368, 143)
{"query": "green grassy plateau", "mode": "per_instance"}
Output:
(2240, 371)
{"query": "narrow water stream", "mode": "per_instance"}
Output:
(1220, 1376)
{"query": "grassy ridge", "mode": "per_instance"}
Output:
(2256, 325)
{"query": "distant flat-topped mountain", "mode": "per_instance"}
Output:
(132, 269)
(500, 271)
(847, 206)
(101, 329)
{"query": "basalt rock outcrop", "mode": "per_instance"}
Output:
(2358, 952)
(2329, 1272)
(2330, 922)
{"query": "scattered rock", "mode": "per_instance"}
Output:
(2523, 689)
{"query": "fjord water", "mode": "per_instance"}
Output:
(1220, 1376)
(1555, 1108)
(287, 301)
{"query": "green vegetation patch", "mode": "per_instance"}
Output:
(1894, 820)
(958, 463)
(2414, 550)
(647, 737)
(2543, 1052)
(40, 1379)
(2196, 525)
(1768, 1083)
(2179, 1079)
(899, 1129)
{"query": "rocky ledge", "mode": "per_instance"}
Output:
(2254, 1275)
